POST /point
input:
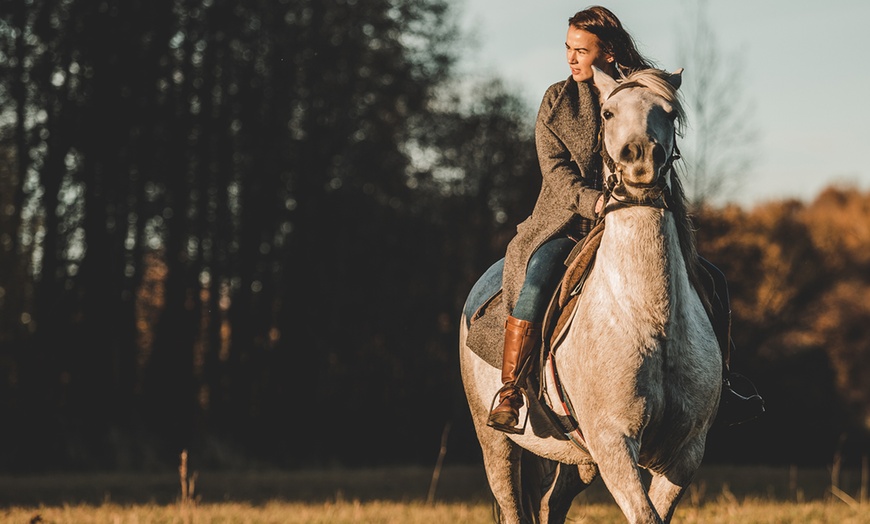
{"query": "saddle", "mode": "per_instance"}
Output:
(580, 261)
(486, 314)
(486, 332)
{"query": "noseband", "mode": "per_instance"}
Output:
(615, 194)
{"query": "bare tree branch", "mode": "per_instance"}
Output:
(720, 147)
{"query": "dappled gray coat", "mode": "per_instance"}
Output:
(566, 132)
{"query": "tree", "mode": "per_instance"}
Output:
(839, 322)
(214, 217)
(720, 147)
(798, 276)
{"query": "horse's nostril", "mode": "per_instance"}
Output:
(631, 152)
(658, 154)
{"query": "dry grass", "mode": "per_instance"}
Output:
(273, 512)
(394, 495)
(747, 512)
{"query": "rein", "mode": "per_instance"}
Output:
(615, 189)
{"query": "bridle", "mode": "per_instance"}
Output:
(615, 194)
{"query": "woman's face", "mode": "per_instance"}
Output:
(583, 51)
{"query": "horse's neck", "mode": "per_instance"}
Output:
(641, 262)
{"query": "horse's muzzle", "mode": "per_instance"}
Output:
(641, 162)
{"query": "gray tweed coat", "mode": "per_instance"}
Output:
(566, 133)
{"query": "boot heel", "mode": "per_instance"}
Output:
(507, 418)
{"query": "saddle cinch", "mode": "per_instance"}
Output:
(486, 334)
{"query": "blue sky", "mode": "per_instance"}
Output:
(806, 73)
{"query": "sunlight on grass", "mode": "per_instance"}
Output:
(747, 512)
(273, 512)
(720, 494)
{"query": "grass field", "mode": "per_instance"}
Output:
(397, 495)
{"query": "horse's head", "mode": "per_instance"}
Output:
(640, 116)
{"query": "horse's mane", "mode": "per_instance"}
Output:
(686, 234)
(656, 80)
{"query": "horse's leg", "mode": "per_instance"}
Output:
(665, 495)
(667, 487)
(568, 481)
(541, 486)
(501, 459)
(501, 456)
(619, 470)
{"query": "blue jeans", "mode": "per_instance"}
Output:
(543, 273)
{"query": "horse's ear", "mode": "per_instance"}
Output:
(604, 82)
(676, 78)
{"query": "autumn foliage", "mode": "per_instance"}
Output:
(800, 286)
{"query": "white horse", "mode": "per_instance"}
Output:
(639, 363)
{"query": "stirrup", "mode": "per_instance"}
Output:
(739, 408)
(513, 430)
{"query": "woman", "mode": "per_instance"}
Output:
(566, 133)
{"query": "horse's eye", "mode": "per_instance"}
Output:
(607, 115)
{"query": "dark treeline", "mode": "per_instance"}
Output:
(247, 229)
(240, 228)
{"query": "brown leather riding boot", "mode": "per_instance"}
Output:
(520, 339)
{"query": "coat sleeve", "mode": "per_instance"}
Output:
(560, 172)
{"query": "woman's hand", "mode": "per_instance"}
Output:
(599, 205)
